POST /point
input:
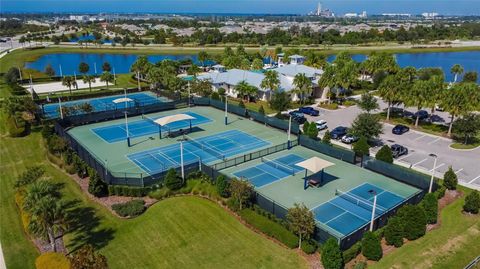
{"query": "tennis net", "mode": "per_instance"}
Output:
(280, 166)
(359, 201)
(205, 148)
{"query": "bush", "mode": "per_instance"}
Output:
(352, 252)
(222, 186)
(16, 129)
(440, 192)
(313, 131)
(96, 186)
(371, 247)
(450, 180)
(385, 154)
(309, 246)
(130, 209)
(261, 110)
(31, 175)
(47, 131)
(306, 127)
(50, 260)
(361, 147)
(472, 202)
(327, 137)
(331, 255)
(172, 180)
(394, 232)
(269, 227)
(414, 221)
(430, 205)
(121, 190)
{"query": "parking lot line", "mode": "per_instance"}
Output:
(473, 179)
(399, 159)
(420, 137)
(420, 161)
(431, 142)
(438, 166)
(459, 170)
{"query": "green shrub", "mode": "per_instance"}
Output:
(414, 221)
(96, 186)
(312, 131)
(222, 186)
(309, 246)
(371, 247)
(385, 154)
(269, 227)
(360, 265)
(472, 202)
(47, 131)
(17, 129)
(51, 260)
(31, 175)
(450, 180)
(172, 180)
(352, 252)
(306, 128)
(130, 209)
(394, 231)
(327, 137)
(331, 255)
(361, 147)
(430, 205)
(440, 192)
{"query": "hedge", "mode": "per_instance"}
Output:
(14, 130)
(130, 209)
(51, 260)
(309, 246)
(352, 252)
(269, 227)
(121, 190)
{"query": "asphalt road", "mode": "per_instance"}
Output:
(465, 163)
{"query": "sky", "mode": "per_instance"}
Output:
(446, 7)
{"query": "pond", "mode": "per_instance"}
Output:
(68, 62)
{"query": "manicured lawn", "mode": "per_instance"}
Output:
(186, 232)
(453, 245)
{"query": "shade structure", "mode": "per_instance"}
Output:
(173, 118)
(314, 164)
(122, 100)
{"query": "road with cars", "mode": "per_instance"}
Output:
(422, 147)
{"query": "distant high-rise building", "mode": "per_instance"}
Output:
(363, 15)
(430, 15)
(322, 12)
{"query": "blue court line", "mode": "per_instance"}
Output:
(117, 132)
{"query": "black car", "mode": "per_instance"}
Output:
(421, 114)
(339, 132)
(299, 120)
(295, 113)
(400, 129)
(398, 150)
(309, 111)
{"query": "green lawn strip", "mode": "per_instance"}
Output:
(253, 106)
(449, 246)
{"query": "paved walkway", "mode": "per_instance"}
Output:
(2, 260)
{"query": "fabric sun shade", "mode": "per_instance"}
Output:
(122, 100)
(173, 118)
(314, 164)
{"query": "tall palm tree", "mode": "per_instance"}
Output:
(89, 79)
(456, 70)
(106, 77)
(418, 96)
(303, 85)
(328, 80)
(390, 91)
(202, 57)
(68, 81)
(46, 209)
(257, 64)
(461, 99)
(245, 90)
(140, 67)
(270, 82)
(437, 92)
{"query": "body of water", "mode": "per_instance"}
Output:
(68, 62)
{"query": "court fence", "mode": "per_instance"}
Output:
(399, 173)
(338, 153)
(241, 111)
(116, 177)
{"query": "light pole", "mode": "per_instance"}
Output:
(373, 209)
(433, 171)
(289, 131)
(126, 118)
(181, 160)
(226, 119)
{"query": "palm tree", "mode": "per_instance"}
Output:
(89, 79)
(106, 77)
(389, 91)
(46, 209)
(418, 96)
(456, 70)
(461, 99)
(328, 80)
(140, 67)
(69, 82)
(270, 82)
(257, 64)
(303, 85)
(246, 90)
(437, 87)
(202, 57)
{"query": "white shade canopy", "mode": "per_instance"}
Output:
(122, 100)
(173, 118)
(314, 164)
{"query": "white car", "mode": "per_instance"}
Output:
(321, 124)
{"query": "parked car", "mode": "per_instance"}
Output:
(349, 139)
(309, 111)
(421, 114)
(408, 114)
(299, 120)
(295, 113)
(400, 129)
(321, 125)
(398, 150)
(339, 132)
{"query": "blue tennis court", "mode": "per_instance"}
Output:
(351, 210)
(117, 132)
(270, 171)
(207, 149)
(104, 103)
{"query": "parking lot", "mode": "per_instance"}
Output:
(420, 145)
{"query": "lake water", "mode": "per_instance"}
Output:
(470, 60)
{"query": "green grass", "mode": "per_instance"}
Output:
(465, 146)
(450, 246)
(254, 106)
(435, 129)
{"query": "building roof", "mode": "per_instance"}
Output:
(291, 70)
(296, 56)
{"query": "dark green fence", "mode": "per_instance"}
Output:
(338, 153)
